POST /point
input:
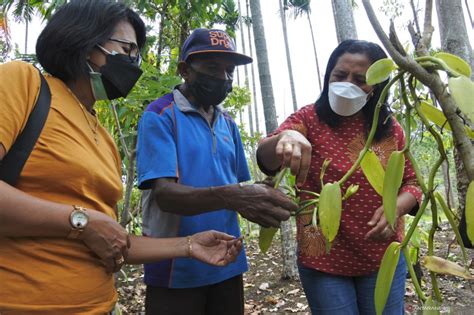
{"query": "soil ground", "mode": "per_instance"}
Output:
(267, 293)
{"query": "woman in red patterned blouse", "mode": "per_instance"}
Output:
(336, 128)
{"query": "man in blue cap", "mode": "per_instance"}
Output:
(191, 165)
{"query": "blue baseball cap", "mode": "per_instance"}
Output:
(205, 41)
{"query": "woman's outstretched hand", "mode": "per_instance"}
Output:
(215, 248)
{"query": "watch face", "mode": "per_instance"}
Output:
(79, 219)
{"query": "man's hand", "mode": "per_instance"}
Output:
(262, 204)
(294, 152)
(215, 248)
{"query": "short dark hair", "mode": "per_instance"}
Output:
(374, 52)
(75, 29)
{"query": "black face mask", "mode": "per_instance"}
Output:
(119, 75)
(209, 90)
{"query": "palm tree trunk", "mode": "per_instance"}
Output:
(246, 73)
(288, 56)
(314, 49)
(26, 27)
(252, 67)
(241, 117)
(263, 67)
(344, 19)
(288, 244)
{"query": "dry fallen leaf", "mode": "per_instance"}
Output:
(264, 286)
(293, 291)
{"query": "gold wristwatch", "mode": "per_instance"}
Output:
(78, 220)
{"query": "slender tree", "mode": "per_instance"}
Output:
(252, 67)
(469, 13)
(288, 244)
(344, 19)
(246, 73)
(303, 7)
(263, 67)
(288, 55)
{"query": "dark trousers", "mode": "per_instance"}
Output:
(226, 297)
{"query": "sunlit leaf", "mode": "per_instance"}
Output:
(380, 71)
(373, 170)
(456, 63)
(265, 238)
(462, 90)
(434, 115)
(470, 212)
(391, 185)
(437, 117)
(440, 265)
(330, 207)
(385, 276)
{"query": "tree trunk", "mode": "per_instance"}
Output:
(241, 116)
(288, 250)
(161, 35)
(448, 190)
(469, 13)
(249, 108)
(129, 184)
(246, 73)
(288, 56)
(315, 52)
(26, 27)
(454, 39)
(288, 243)
(453, 32)
(252, 67)
(263, 67)
(344, 19)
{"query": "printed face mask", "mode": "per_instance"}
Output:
(209, 90)
(346, 98)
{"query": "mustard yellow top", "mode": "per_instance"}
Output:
(57, 275)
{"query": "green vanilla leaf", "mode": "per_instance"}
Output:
(373, 171)
(380, 71)
(391, 185)
(330, 207)
(385, 276)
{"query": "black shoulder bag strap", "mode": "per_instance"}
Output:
(14, 161)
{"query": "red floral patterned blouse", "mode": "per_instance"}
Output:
(351, 254)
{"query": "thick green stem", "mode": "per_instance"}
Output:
(414, 279)
(371, 135)
(279, 177)
(419, 175)
(414, 223)
(434, 170)
(439, 62)
(450, 217)
(434, 227)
